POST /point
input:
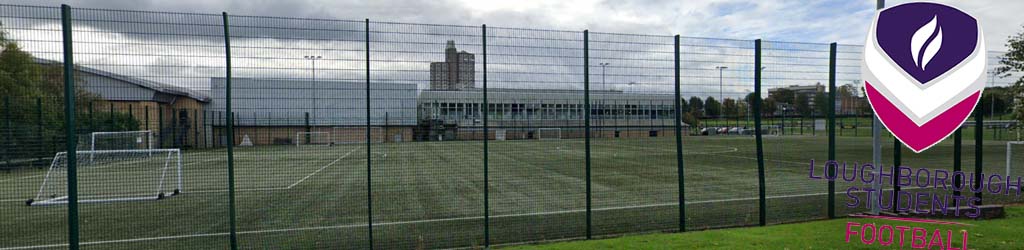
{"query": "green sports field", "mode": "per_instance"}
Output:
(431, 194)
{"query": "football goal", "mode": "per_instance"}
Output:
(113, 176)
(1014, 158)
(356, 135)
(142, 139)
(549, 133)
(312, 138)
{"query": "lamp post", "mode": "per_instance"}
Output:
(313, 60)
(603, 86)
(721, 88)
(992, 110)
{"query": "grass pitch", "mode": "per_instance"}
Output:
(431, 194)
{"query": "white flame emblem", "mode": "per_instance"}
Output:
(926, 43)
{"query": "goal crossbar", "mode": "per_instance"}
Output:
(148, 144)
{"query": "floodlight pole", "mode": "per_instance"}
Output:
(876, 149)
(992, 110)
(603, 84)
(313, 60)
(721, 86)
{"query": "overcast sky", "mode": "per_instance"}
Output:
(843, 21)
(544, 59)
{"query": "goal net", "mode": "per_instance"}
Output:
(142, 139)
(312, 138)
(549, 133)
(356, 135)
(1014, 158)
(113, 176)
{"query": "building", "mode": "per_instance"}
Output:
(274, 111)
(173, 113)
(456, 72)
(528, 113)
(809, 91)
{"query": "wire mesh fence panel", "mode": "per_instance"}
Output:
(359, 134)
(721, 174)
(135, 69)
(1000, 135)
(999, 176)
(32, 124)
(427, 171)
(633, 147)
(537, 179)
(795, 82)
(297, 84)
(853, 130)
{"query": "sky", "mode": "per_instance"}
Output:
(734, 24)
(843, 21)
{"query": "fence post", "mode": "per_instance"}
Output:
(160, 124)
(897, 161)
(195, 128)
(39, 122)
(69, 119)
(957, 160)
(110, 115)
(145, 112)
(233, 235)
(757, 128)
(831, 127)
(174, 128)
(206, 142)
(586, 100)
(92, 120)
(487, 213)
(307, 137)
(978, 147)
(9, 138)
(679, 142)
(369, 177)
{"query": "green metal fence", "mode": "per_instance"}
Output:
(225, 131)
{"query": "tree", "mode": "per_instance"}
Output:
(769, 106)
(1013, 62)
(729, 107)
(688, 118)
(683, 106)
(35, 95)
(783, 95)
(801, 105)
(742, 109)
(995, 100)
(696, 106)
(712, 107)
(821, 103)
(749, 98)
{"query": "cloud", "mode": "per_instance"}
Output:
(805, 21)
(736, 22)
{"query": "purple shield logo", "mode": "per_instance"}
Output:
(924, 70)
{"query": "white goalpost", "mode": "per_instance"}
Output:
(1011, 158)
(549, 133)
(312, 138)
(114, 176)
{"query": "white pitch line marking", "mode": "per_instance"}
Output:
(22, 177)
(322, 168)
(418, 221)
